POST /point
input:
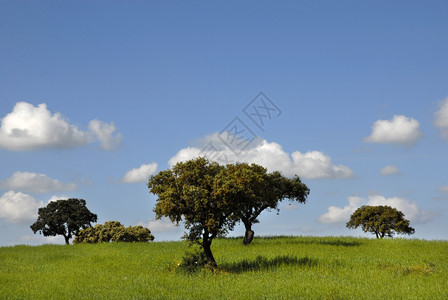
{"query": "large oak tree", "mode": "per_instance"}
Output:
(211, 198)
(186, 192)
(252, 190)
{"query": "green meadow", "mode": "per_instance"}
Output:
(270, 267)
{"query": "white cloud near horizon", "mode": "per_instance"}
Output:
(441, 118)
(19, 208)
(160, 225)
(309, 165)
(389, 170)
(401, 130)
(35, 183)
(30, 127)
(411, 211)
(140, 174)
(38, 239)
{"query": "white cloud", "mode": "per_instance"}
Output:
(309, 165)
(18, 208)
(35, 183)
(316, 164)
(401, 130)
(390, 170)
(160, 226)
(184, 155)
(140, 174)
(443, 189)
(441, 118)
(30, 127)
(38, 239)
(341, 215)
(105, 134)
(410, 210)
(56, 198)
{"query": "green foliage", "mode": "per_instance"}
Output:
(187, 192)
(252, 190)
(192, 262)
(268, 268)
(63, 217)
(113, 231)
(210, 198)
(137, 234)
(380, 220)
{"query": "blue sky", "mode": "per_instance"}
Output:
(97, 96)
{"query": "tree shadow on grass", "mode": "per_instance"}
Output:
(338, 243)
(263, 263)
(306, 240)
(327, 242)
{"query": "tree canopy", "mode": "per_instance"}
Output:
(113, 231)
(211, 198)
(63, 217)
(252, 190)
(380, 220)
(186, 192)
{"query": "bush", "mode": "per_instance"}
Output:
(113, 231)
(193, 261)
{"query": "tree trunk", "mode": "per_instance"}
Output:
(249, 235)
(208, 253)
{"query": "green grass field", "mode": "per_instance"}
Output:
(273, 268)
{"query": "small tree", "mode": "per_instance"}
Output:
(186, 192)
(63, 217)
(252, 190)
(380, 220)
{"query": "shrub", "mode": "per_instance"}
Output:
(113, 231)
(193, 261)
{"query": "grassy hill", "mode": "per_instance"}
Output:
(271, 267)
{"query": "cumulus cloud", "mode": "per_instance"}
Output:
(185, 154)
(38, 239)
(401, 130)
(160, 226)
(308, 165)
(389, 170)
(18, 208)
(140, 174)
(104, 132)
(315, 164)
(30, 127)
(341, 215)
(56, 198)
(441, 118)
(410, 210)
(35, 183)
